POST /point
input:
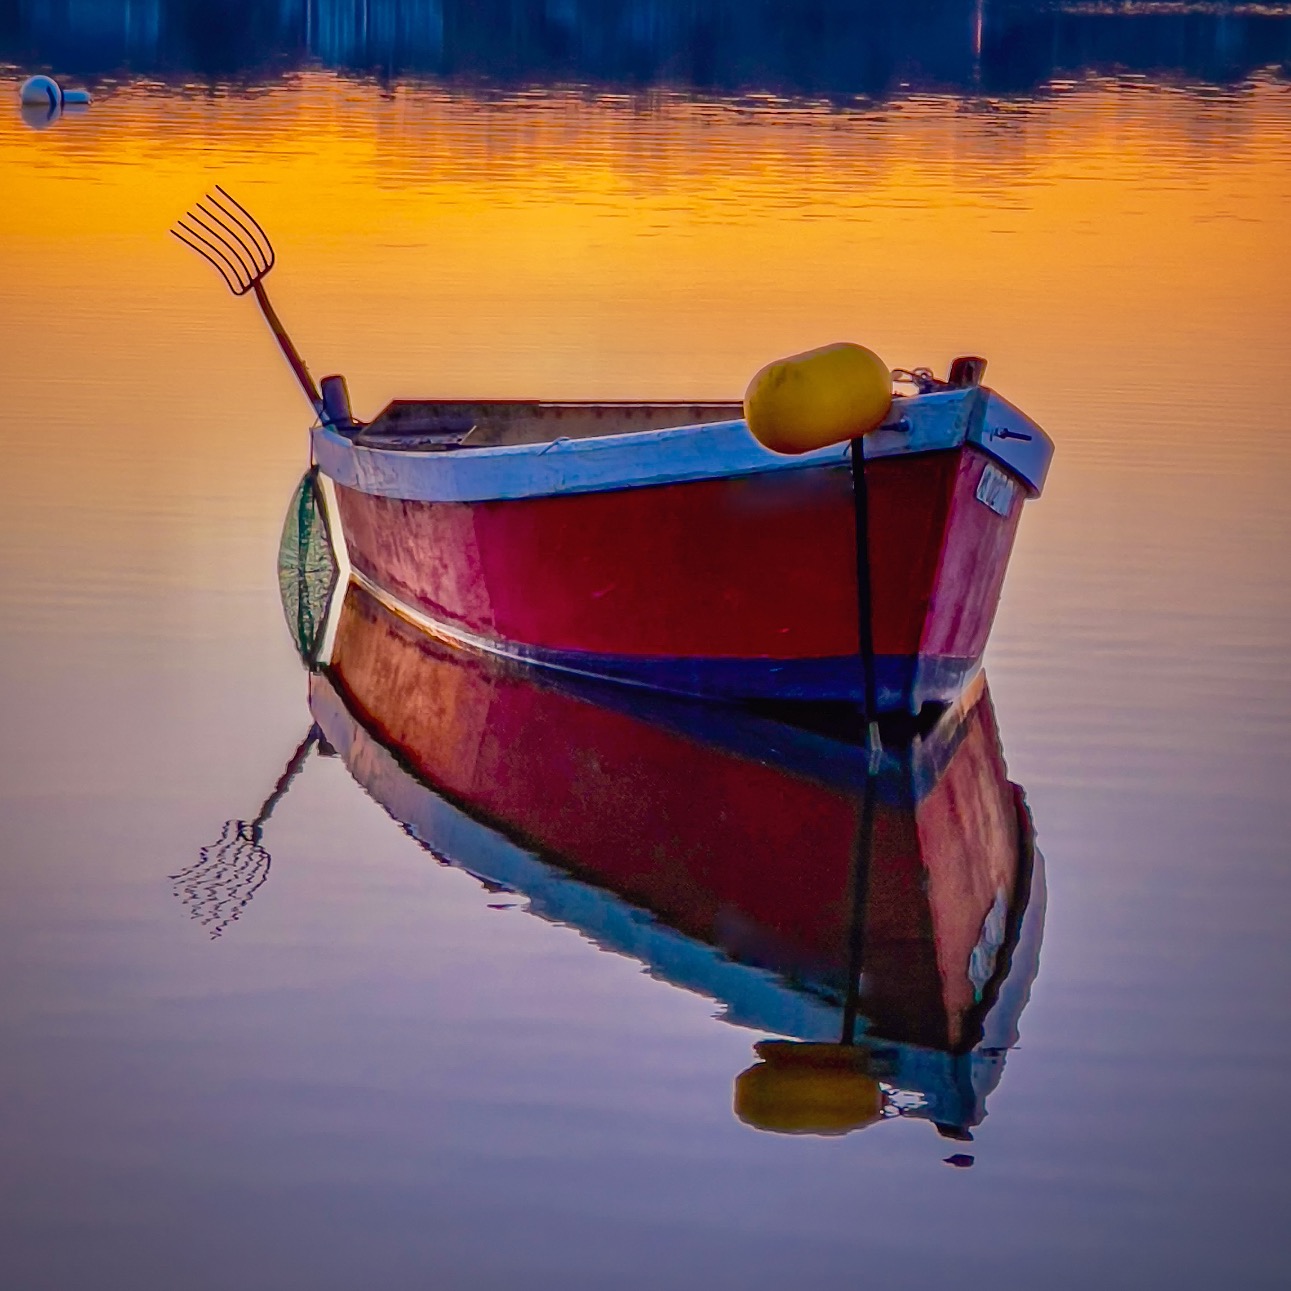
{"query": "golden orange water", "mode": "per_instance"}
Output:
(1117, 250)
(570, 244)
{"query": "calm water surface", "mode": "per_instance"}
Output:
(386, 1073)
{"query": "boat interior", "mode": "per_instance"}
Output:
(420, 425)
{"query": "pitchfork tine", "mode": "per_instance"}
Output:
(234, 286)
(264, 237)
(250, 253)
(188, 242)
(234, 259)
(225, 252)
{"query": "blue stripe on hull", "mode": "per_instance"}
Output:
(904, 683)
(826, 744)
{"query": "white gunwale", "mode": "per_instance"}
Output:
(640, 459)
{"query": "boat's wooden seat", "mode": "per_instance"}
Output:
(419, 425)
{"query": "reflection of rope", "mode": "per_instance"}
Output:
(216, 889)
(226, 876)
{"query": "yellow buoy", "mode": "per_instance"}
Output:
(822, 397)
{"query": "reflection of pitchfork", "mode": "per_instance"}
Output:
(216, 889)
(228, 236)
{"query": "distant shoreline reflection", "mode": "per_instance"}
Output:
(867, 47)
(882, 917)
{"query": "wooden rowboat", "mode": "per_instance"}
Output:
(664, 545)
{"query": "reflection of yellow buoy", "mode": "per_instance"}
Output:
(808, 1089)
(822, 397)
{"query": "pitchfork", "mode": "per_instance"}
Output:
(226, 235)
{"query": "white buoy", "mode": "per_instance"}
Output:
(41, 91)
(45, 92)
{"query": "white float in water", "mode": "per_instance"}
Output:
(45, 92)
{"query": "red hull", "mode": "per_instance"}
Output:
(736, 586)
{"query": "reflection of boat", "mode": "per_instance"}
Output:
(720, 849)
(663, 544)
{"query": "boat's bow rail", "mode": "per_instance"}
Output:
(441, 451)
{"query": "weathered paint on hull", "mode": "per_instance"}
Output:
(748, 851)
(740, 587)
